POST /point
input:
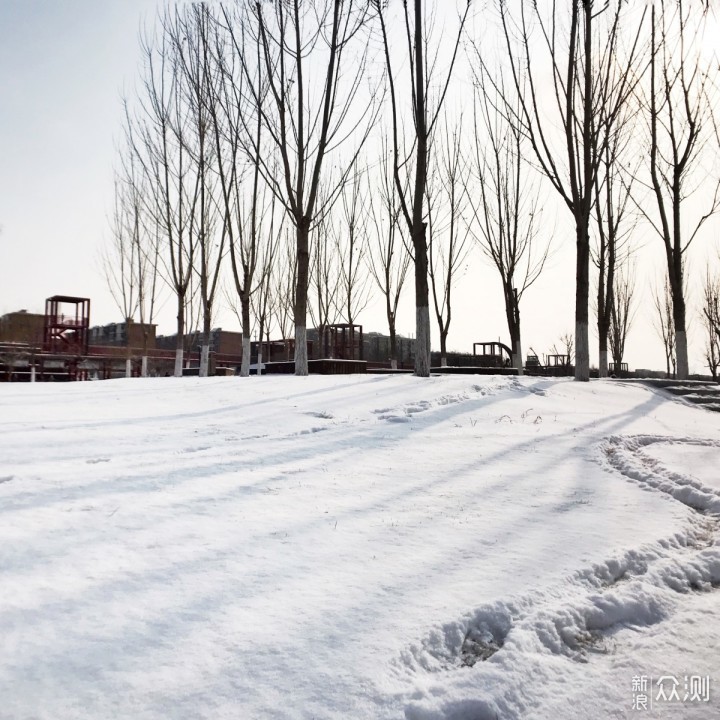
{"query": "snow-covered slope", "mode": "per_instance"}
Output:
(355, 547)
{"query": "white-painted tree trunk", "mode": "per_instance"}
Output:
(204, 360)
(518, 364)
(393, 364)
(128, 367)
(603, 365)
(178, 362)
(32, 373)
(443, 362)
(301, 356)
(144, 366)
(681, 355)
(259, 362)
(422, 341)
(245, 362)
(582, 352)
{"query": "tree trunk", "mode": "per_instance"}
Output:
(422, 341)
(204, 359)
(180, 339)
(422, 306)
(512, 314)
(303, 265)
(128, 367)
(603, 350)
(582, 350)
(245, 363)
(582, 295)
(603, 315)
(32, 372)
(393, 334)
(681, 353)
(245, 310)
(603, 370)
(301, 356)
(443, 349)
(205, 348)
(518, 355)
(393, 348)
(144, 358)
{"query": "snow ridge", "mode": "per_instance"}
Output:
(624, 455)
(581, 617)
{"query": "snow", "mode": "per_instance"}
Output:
(356, 546)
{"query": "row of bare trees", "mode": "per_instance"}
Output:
(634, 97)
(324, 147)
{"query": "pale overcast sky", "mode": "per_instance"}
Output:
(63, 67)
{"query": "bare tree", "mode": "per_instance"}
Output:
(448, 228)
(148, 266)
(160, 122)
(665, 323)
(192, 340)
(567, 345)
(191, 31)
(613, 185)
(591, 83)
(621, 314)
(351, 240)
(306, 50)
(120, 260)
(412, 200)
(506, 205)
(711, 321)
(263, 299)
(679, 115)
(325, 283)
(284, 282)
(262, 309)
(248, 205)
(131, 265)
(388, 259)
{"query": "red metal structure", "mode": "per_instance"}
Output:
(345, 341)
(492, 354)
(67, 321)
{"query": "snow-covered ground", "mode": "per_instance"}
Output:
(357, 547)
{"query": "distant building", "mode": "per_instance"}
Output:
(226, 347)
(124, 334)
(22, 327)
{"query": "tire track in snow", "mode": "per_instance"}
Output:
(405, 413)
(624, 455)
(578, 618)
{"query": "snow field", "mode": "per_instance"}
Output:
(361, 547)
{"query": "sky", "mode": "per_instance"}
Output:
(64, 66)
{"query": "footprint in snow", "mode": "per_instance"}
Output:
(310, 431)
(94, 461)
(417, 408)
